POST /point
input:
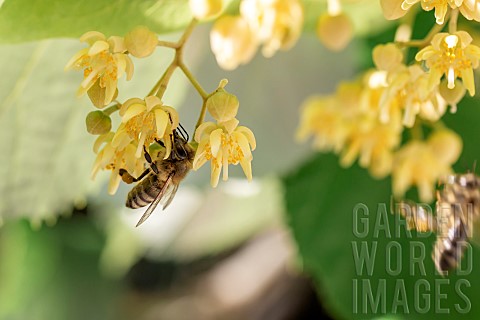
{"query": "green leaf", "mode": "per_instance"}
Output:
(25, 20)
(52, 273)
(321, 199)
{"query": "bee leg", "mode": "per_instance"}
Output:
(149, 160)
(160, 142)
(128, 178)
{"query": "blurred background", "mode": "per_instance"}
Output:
(278, 247)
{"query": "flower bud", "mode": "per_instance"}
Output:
(392, 9)
(446, 145)
(141, 42)
(206, 9)
(387, 57)
(222, 105)
(98, 123)
(335, 32)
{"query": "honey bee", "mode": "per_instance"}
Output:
(159, 183)
(457, 211)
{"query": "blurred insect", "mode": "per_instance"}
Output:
(159, 182)
(457, 211)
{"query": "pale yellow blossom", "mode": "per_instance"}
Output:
(348, 123)
(278, 23)
(233, 42)
(452, 55)
(206, 9)
(144, 121)
(114, 158)
(468, 8)
(223, 144)
(103, 63)
(423, 163)
(408, 88)
(371, 140)
(325, 120)
(334, 31)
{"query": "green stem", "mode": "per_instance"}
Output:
(201, 117)
(428, 38)
(452, 25)
(416, 131)
(112, 109)
(161, 86)
(167, 44)
(193, 81)
(187, 33)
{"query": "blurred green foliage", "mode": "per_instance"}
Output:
(53, 273)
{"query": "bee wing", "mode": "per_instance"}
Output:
(169, 195)
(167, 185)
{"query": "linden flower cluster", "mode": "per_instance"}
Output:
(106, 60)
(147, 128)
(408, 88)
(394, 9)
(348, 123)
(224, 142)
(143, 121)
(274, 24)
(366, 120)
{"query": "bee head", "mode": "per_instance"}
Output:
(181, 149)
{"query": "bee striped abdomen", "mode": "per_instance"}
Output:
(144, 192)
(448, 251)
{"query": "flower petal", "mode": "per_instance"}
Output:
(216, 141)
(161, 121)
(249, 134)
(132, 111)
(91, 37)
(71, 63)
(98, 47)
(204, 129)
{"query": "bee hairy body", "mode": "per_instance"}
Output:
(148, 189)
(458, 206)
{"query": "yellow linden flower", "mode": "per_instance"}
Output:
(232, 41)
(206, 9)
(115, 158)
(392, 9)
(387, 57)
(469, 9)
(103, 63)
(423, 163)
(330, 119)
(144, 121)
(409, 87)
(278, 23)
(348, 123)
(452, 55)
(223, 144)
(335, 31)
(371, 140)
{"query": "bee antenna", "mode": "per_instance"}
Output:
(183, 132)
